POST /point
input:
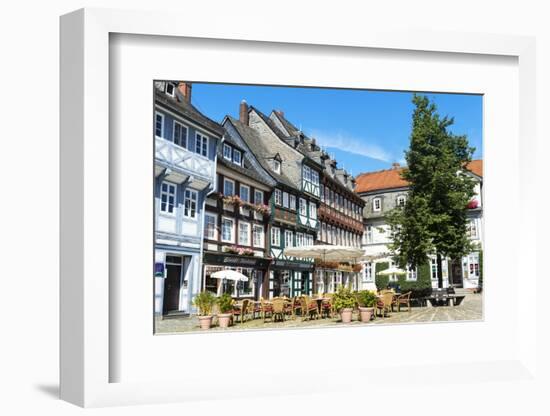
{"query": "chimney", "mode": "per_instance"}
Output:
(395, 165)
(185, 89)
(281, 113)
(243, 113)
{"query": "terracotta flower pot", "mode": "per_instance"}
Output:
(345, 313)
(205, 322)
(224, 319)
(365, 314)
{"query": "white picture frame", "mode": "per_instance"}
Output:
(87, 207)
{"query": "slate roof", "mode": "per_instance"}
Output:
(391, 178)
(262, 151)
(247, 168)
(187, 110)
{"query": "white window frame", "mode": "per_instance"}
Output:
(276, 166)
(235, 153)
(186, 134)
(227, 147)
(302, 206)
(232, 182)
(412, 275)
(215, 228)
(300, 239)
(473, 229)
(276, 236)
(232, 221)
(292, 202)
(248, 229)
(307, 173)
(278, 197)
(433, 268)
(374, 201)
(289, 235)
(312, 210)
(367, 275)
(259, 200)
(401, 198)
(285, 200)
(186, 198)
(203, 151)
(173, 185)
(169, 84)
(255, 228)
(157, 114)
(241, 187)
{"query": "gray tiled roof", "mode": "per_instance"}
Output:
(265, 148)
(246, 169)
(187, 110)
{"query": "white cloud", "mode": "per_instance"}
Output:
(353, 145)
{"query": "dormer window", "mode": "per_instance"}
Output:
(237, 157)
(276, 166)
(226, 151)
(170, 89)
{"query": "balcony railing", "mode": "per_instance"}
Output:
(188, 162)
(327, 213)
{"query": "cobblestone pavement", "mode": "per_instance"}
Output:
(469, 310)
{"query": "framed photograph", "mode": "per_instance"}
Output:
(284, 207)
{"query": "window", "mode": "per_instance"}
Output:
(322, 190)
(258, 236)
(227, 230)
(307, 174)
(275, 236)
(331, 198)
(312, 210)
(401, 201)
(433, 268)
(293, 202)
(303, 207)
(167, 197)
(190, 204)
(170, 89)
(244, 233)
(237, 157)
(472, 229)
(276, 166)
(159, 124)
(367, 276)
(258, 197)
(376, 204)
(179, 134)
(228, 187)
(285, 199)
(201, 144)
(226, 151)
(309, 240)
(277, 197)
(323, 232)
(299, 239)
(244, 193)
(473, 260)
(289, 238)
(210, 231)
(315, 177)
(329, 234)
(411, 273)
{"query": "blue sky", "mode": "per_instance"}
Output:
(364, 130)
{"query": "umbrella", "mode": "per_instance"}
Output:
(325, 252)
(228, 275)
(392, 270)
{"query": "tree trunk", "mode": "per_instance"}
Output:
(439, 271)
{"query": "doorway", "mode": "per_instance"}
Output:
(456, 273)
(172, 284)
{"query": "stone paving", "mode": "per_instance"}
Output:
(469, 310)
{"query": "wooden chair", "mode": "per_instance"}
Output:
(404, 299)
(241, 311)
(309, 308)
(279, 309)
(266, 308)
(384, 303)
(253, 309)
(296, 306)
(327, 308)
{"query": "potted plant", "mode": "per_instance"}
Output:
(367, 302)
(204, 301)
(225, 304)
(344, 302)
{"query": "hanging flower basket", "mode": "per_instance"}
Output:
(233, 200)
(239, 251)
(473, 204)
(261, 208)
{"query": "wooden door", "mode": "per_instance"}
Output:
(172, 285)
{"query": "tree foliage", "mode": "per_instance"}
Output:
(434, 217)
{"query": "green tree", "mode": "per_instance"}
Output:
(434, 218)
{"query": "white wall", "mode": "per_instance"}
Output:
(29, 33)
